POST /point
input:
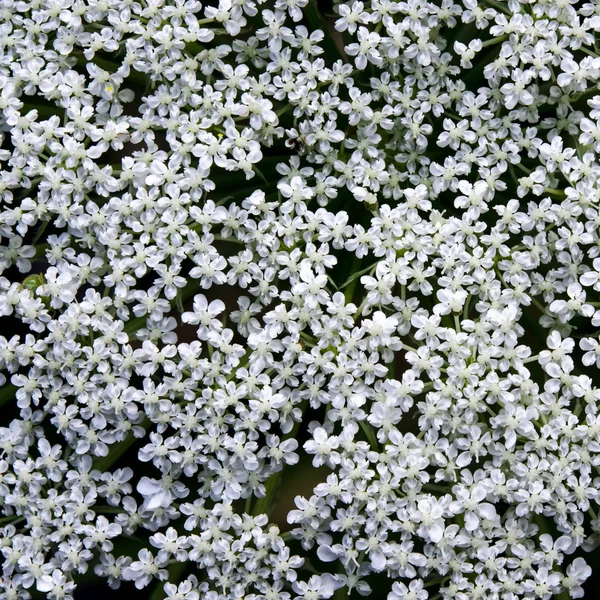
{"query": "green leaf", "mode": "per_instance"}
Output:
(264, 506)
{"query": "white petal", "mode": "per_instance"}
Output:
(326, 554)
(378, 561)
(487, 511)
(589, 278)
(471, 521)
(436, 533)
(44, 583)
(148, 487)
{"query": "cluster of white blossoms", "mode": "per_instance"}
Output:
(239, 233)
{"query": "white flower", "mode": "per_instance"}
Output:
(350, 16)
(558, 357)
(318, 586)
(429, 515)
(450, 301)
(577, 572)
(517, 92)
(56, 585)
(470, 503)
(365, 49)
(414, 591)
(204, 313)
(381, 221)
(323, 446)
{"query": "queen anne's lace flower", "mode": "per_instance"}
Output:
(247, 237)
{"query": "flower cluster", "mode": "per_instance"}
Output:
(246, 233)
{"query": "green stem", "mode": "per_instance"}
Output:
(362, 306)
(593, 91)
(466, 308)
(11, 520)
(353, 279)
(457, 323)
(40, 232)
(494, 41)
(499, 6)
(433, 582)
(555, 192)
(539, 305)
(371, 437)
(108, 510)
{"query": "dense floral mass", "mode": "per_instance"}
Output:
(244, 235)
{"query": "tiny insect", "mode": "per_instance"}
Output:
(295, 143)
